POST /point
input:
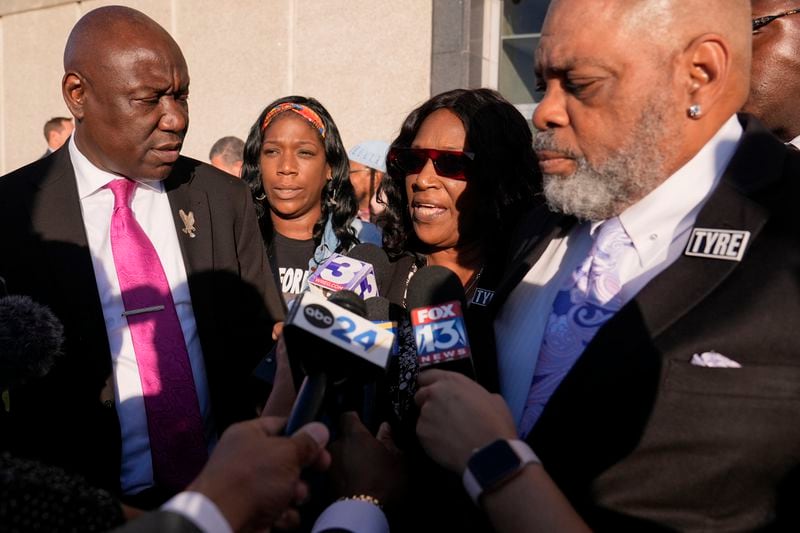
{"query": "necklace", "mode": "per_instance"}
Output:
(469, 287)
(472, 284)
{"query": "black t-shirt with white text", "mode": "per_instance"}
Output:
(289, 259)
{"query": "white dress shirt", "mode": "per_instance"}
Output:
(151, 208)
(659, 226)
(795, 142)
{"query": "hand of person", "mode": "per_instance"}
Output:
(457, 416)
(363, 464)
(277, 329)
(253, 477)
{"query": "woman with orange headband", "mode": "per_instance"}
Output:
(298, 172)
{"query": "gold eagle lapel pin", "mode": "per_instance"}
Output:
(188, 223)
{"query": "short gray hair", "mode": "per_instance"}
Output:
(230, 148)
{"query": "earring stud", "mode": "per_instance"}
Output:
(694, 111)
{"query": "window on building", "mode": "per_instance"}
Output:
(520, 30)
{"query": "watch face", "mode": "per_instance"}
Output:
(493, 464)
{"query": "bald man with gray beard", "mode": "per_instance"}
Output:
(645, 334)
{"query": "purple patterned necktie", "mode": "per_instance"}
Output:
(589, 298)
(174, 424)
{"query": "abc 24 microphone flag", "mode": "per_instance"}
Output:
(357, 336)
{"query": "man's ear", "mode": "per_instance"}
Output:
(73, 88)
(708, 67)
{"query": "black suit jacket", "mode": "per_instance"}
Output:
(636, 436)
(61, 419)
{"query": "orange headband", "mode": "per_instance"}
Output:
(301, 110)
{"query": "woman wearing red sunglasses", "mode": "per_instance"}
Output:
(460, 173)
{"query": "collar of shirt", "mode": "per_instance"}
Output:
(795, 142)
(671, 208)
(91, 179)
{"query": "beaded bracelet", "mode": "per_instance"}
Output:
(364, 498)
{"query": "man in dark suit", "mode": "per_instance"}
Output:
(646, 330)
(102, 408)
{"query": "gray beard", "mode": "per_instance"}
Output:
(605, 190)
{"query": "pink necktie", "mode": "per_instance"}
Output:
(175, 427)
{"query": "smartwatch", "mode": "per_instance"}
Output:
(494, 464)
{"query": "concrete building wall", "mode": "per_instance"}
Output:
(367, 61)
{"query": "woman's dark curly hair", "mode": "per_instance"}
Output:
(504, 170)
(338, 197)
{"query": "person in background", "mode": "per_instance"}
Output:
(775, 80)
(56, 132)
(226, 154)
(297, 170)
(367, 168)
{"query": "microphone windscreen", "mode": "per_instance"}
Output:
(350, 301)
(31, 338)
(436, 304)
(369, 253)
(377, 309)
(432, 285)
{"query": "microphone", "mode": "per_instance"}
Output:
(335, 345)
(376, 399)
(340, 273)
(375, 256)
(436, 300)
(387, 315)
(31, 338)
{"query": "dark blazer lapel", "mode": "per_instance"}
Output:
(57, 218)
(196, 246)
(690, 279)
(536, 231)
(541, 227)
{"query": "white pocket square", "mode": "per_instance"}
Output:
(714, 360)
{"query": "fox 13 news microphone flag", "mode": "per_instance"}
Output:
(339, 273)
(436, 300)
(335, 345)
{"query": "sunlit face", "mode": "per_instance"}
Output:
(133, 120)
(775, 81)
(294, 168)
(443, 210)
(607, 113)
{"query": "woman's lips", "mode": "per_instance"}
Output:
(424, 212)
(286, 194)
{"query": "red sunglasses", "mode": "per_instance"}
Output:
(447, 163)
